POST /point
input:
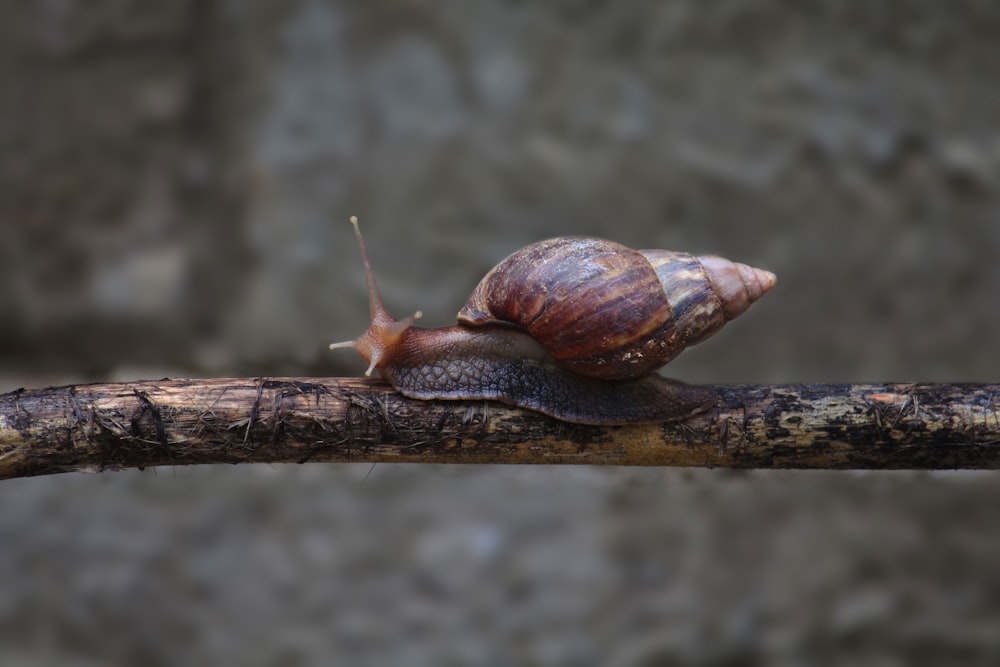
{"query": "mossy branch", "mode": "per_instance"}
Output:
(98, 427)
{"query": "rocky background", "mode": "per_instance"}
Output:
(175, 183)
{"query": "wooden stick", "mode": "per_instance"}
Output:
(111, 426)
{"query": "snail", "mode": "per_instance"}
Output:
(571, 327)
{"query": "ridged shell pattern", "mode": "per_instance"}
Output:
(606, 311)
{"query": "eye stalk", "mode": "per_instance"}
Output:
(385, 331)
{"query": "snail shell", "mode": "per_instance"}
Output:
(606, 311)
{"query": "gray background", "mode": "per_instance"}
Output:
(175, 183)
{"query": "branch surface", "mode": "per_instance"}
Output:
(111, 426)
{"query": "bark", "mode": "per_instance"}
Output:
(111, 426)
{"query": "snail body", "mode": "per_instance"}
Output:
(572, 327)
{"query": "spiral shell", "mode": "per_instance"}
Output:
(606, 311)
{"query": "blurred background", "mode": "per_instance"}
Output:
(175, 184)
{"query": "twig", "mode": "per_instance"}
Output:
(283, 420)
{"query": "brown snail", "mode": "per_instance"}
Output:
(571, 327)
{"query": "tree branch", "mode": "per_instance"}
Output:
(99, 427)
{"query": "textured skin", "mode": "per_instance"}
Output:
(504, 364)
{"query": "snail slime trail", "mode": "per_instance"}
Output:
(572, 327)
